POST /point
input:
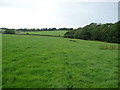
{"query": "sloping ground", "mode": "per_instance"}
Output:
(55, 33)
(42, 62)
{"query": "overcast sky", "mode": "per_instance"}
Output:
(56, 13)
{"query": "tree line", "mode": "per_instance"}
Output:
(109, 32)
(34, 29)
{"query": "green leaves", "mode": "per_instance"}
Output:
(103, 32)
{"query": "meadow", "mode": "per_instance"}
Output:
(53, 62)
(0, 61)
(56, 33)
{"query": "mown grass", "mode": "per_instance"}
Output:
(52, 62)
(57, 33)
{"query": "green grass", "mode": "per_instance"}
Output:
(20, 32)
(61, 33)
(0, 61)
(53, 62)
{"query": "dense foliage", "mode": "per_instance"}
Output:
(9, 31)
(108, 32)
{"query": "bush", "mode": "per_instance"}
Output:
(27, 33)
(9, 32)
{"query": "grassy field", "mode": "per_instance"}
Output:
(0, 61)
(61, 33)
(53, 62)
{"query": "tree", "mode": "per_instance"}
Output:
(108, 32)
(70, 34)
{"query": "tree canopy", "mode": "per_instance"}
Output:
(108, 32)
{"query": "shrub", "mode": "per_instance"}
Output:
(27, 33)
(9, 31)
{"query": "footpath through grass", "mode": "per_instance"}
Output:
(52, 62)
